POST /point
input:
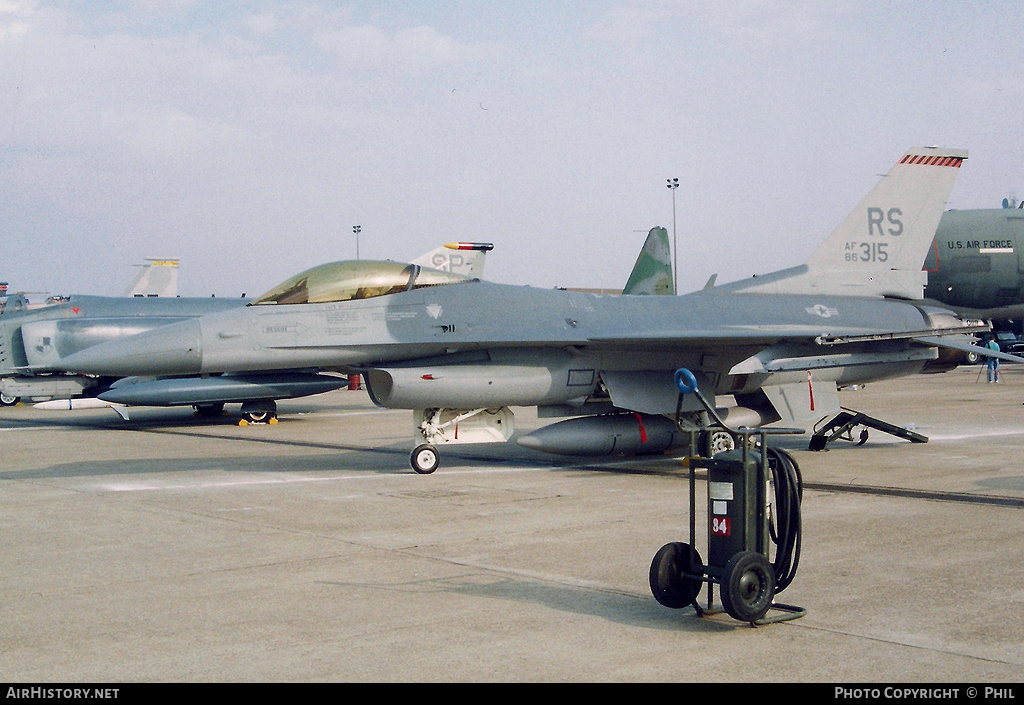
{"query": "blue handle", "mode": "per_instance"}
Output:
(685, 381)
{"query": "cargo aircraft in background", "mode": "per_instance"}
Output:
(461, 352)
(976, 265)
(37, 336)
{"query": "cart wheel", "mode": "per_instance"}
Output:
(748, 586)
(715, 442)
(424, 459)
(668, 585)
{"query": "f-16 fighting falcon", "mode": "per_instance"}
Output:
(461, 352)
(36, 338)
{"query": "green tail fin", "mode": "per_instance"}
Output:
(652, 273)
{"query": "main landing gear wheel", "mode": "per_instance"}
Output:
(425, 459)
(748, 586)
(259, 412)
(668, 584)
(255, 417)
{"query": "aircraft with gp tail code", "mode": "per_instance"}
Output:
(461, 352)
(36, 338)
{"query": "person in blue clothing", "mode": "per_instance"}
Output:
(993, 362)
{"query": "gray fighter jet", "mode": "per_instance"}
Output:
(38, 328)
(41, 335)
(33, 339)
(461, 352)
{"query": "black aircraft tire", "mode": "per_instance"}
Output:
(261, 412)
(668, 585)
(425, 459)
(748, 586)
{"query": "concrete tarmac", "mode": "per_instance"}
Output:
(170, 549)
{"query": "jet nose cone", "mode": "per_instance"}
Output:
(168, 350)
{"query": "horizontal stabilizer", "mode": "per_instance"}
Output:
(964, 346)
(998, 313)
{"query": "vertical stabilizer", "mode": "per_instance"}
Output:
(158, 278)
(880, 248)
(652, 273)
(465, 258)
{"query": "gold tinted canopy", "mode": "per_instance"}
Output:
(355, 279)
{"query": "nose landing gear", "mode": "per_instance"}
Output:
(424, 459)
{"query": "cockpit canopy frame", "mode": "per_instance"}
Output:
(351, 280)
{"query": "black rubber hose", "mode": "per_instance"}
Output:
(786, 528)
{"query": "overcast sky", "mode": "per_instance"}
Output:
(248, 138)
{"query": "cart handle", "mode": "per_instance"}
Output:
(686, 382)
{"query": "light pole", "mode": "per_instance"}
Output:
(356, 229)
(673, 184)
